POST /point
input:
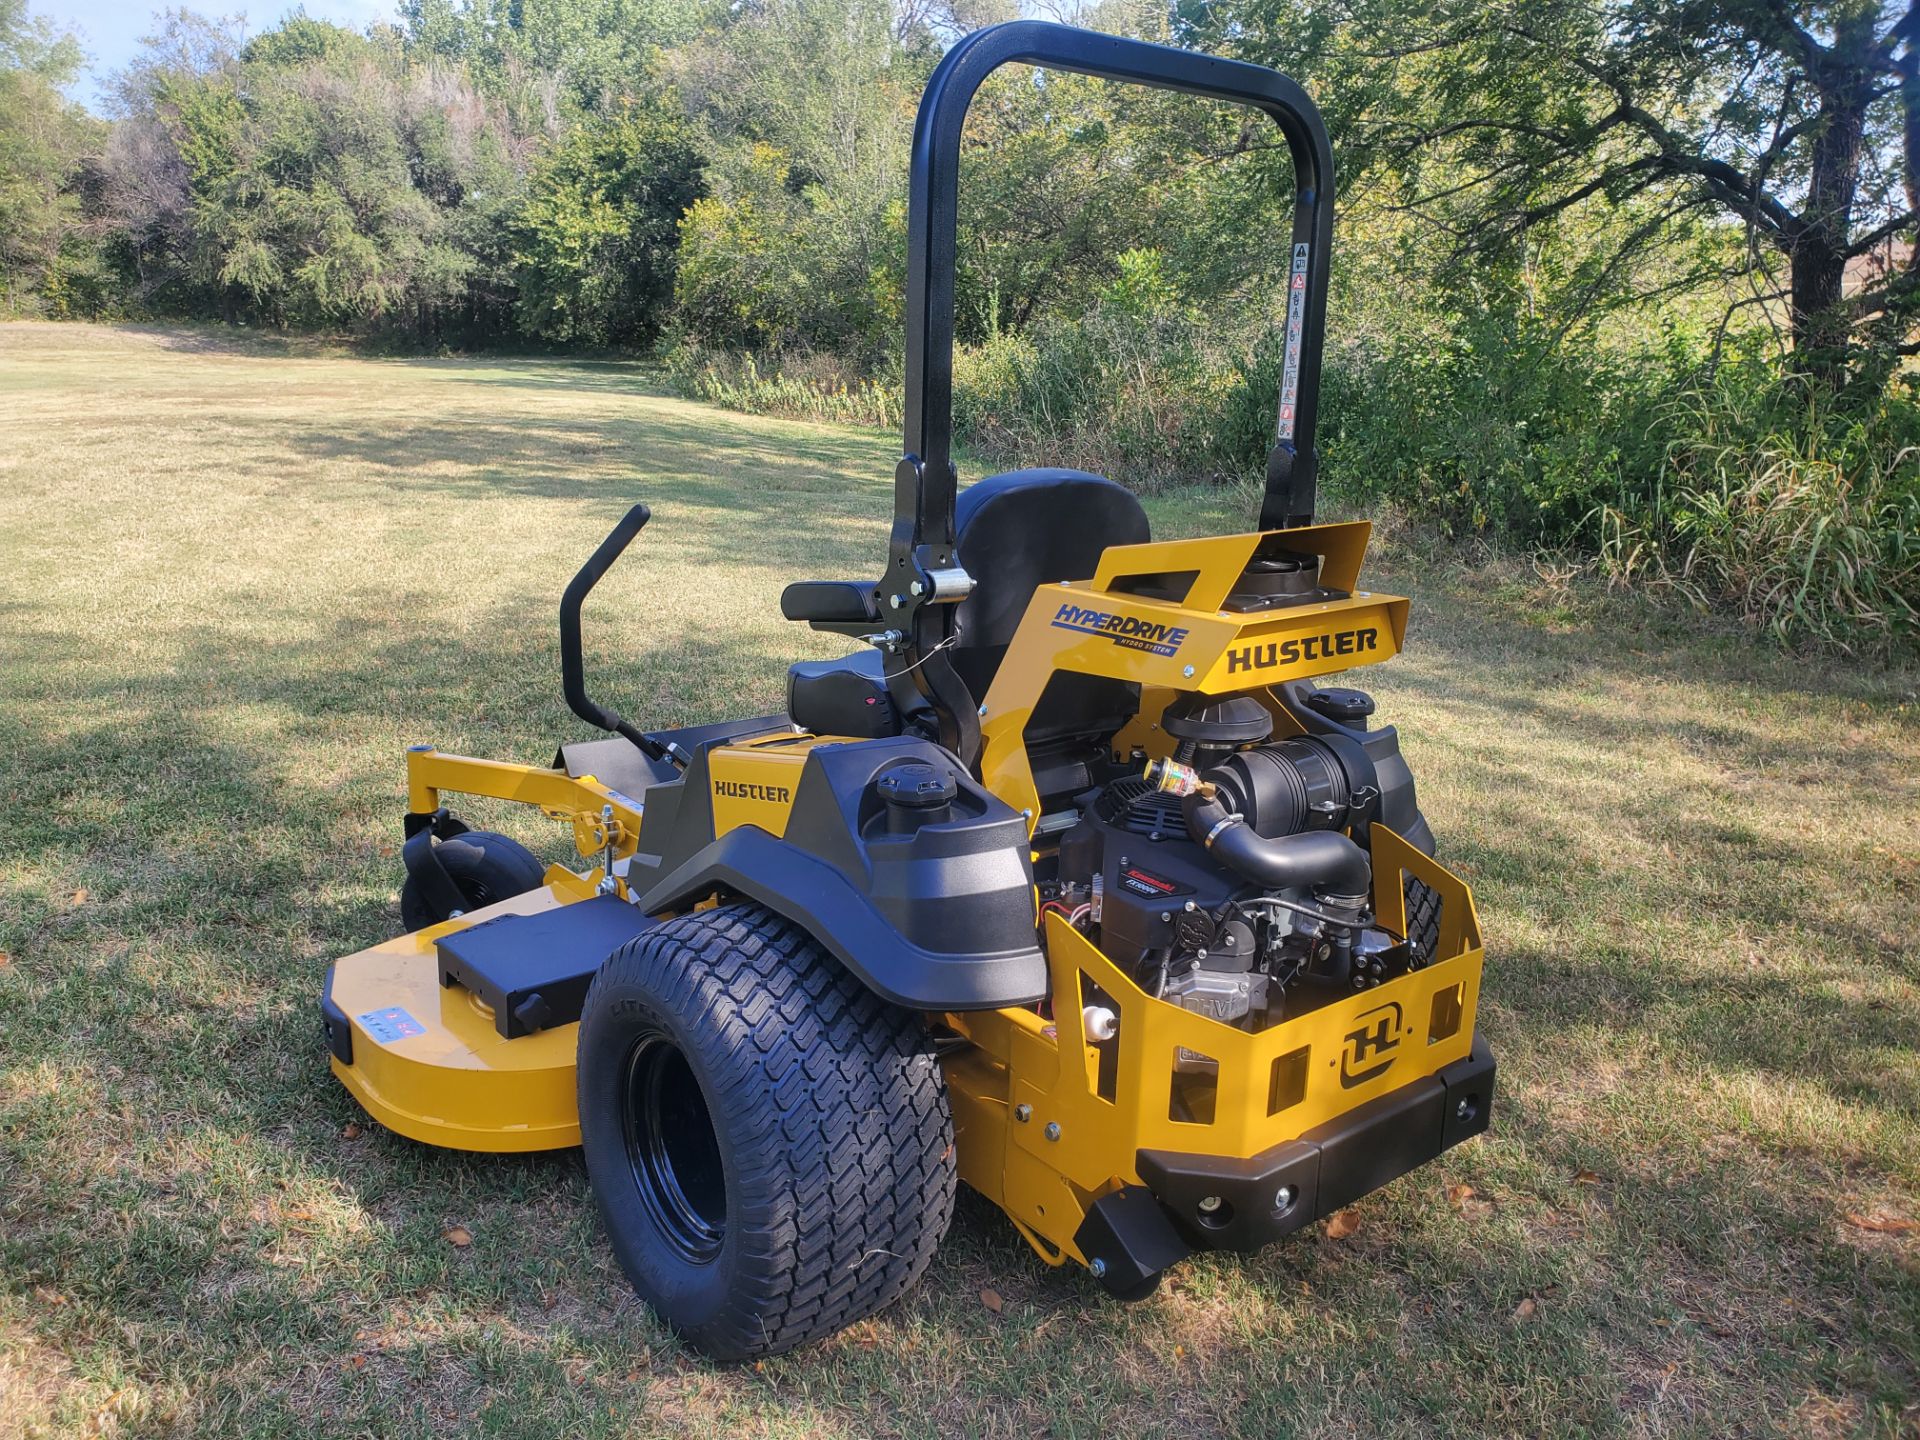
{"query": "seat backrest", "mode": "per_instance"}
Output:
(1024, 529)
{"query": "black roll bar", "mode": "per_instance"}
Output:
(925, 481)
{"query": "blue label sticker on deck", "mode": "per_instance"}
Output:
(389, 1025)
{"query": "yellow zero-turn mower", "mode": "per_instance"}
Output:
(1072, 884)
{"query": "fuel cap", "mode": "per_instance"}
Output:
(916, 786)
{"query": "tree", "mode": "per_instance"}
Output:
(1796, 123)
(594, 244)
(315, 176)
(44, 141)
(600, 50)
(804, 110)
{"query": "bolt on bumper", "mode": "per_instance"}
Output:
(1211, 1202)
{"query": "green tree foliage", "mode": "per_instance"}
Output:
(318, 178)
(45, 140)
(1786, 131)
(596, 238)
(600, 51)
(805, 111)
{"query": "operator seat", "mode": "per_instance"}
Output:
(1013, 533)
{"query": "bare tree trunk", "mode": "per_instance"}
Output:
(1909, 68)
(1817, 255)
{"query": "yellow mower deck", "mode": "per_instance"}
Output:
(1036, 1130)
(428, 1062)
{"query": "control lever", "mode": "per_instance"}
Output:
(572, 672)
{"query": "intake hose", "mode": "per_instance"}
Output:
(1324, 860)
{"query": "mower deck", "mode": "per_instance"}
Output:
(428, 1060)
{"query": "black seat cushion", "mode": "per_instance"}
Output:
(847, 696)
(1014, 533)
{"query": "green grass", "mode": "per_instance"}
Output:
(235, 583)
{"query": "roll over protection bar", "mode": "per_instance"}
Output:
(920, 617)
(924, 494)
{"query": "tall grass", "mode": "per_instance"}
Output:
(1724, 484)
(1803, 519)
(815, 387)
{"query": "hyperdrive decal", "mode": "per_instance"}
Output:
(1127, 631)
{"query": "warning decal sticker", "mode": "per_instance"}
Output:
(1296, 320)
(386, 1026)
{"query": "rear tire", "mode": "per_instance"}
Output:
(770, 1144)
(1423, 919)
(484, 868)
(1423, 903)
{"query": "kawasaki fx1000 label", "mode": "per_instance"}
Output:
(1274, 654)
(1126, 631)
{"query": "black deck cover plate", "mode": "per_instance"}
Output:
(542, 963)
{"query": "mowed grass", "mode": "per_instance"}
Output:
(235, 583)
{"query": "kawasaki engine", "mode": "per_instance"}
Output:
(1233, 878)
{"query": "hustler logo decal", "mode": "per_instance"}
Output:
(1277, 653)
(1126, 631)
(740, 790)
(1371, 1045)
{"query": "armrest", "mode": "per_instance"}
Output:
(831, 602)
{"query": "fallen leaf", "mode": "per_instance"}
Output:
(990, 1298)
(46, 1295)
(1586, 1177)
(356, 1362)
(5, 959)
(352, 1131)
(1458, 1195)
(79, 896)
(1342, 1223)
(1179, 1352)
(459, 1237)
(1526, 1308)
(1884, 1224)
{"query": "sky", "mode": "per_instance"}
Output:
(110, 30)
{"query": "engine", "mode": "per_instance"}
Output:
(1232, 878)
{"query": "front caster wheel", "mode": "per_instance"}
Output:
(769, 1143)
(484, 867)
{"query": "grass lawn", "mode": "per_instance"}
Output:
(234, 584)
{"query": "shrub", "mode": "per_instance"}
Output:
(1805, 518)
(798, 387)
